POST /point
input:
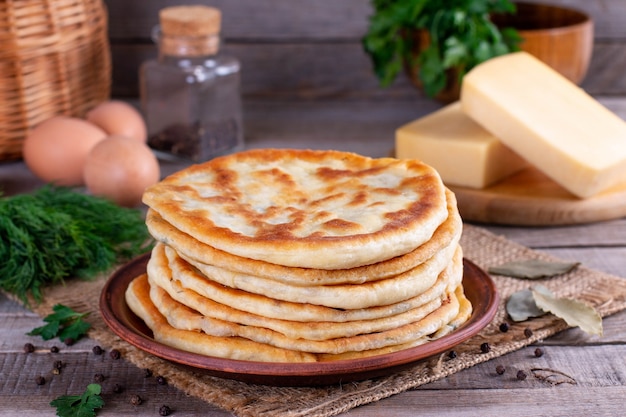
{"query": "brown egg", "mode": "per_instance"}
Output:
(55, 150)
(120, 169)
(119, 118)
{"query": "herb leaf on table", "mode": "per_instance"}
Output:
(79, 405)
(64, 322)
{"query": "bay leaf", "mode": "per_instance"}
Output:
(521, 306)
(574, 312)
(533, 268)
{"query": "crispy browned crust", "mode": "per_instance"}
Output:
(304, 208)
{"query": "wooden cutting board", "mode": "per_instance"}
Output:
(529, 198)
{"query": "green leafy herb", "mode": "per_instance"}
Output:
(57, 233)
(64, 322)
(533, 268)
(461, 34)
(79, 405)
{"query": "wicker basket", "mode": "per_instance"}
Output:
(54, 60)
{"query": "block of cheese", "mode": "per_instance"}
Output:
(549, 121)
(463, 152)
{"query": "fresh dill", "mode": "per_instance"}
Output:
(57, 233)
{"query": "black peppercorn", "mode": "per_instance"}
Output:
(54, 349)
(40, 380)
(69, 341)
(115, 354)
(528, 332)
(504, 327)
(97, 350)
(147, 373)
(29, 348)
(161, 380)
(485, 348)
(135, 399)
(98, 378)
(521, 375)
(452, 354)
(165, 410)
(538, 352)
(500, 369)
(117, 388)
(59, 365)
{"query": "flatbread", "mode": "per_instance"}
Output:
(346, 296)
(312, 330)
(304, 208)
(138, 299)
(200, 252)
(190, 278)
(185, 318)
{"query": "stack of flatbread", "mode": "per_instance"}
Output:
(300, 256)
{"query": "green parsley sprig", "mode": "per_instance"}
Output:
(64, 323)
(461, 32)
(57, 233)
(79, 405)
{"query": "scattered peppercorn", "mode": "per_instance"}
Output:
(29, 348)
(117, 388)
(538, 352)
(161, 380)
(59, 365)
(521, 375)
(452, 354)
(528, 332)
(500, 369)
(485, 348)
(98, 378)
(165, 410)
(69, 341)
(97, 350)
(54, 349)
(147, 373)
(40, 380)
(115, 354)
(504, 327)
(135, 399)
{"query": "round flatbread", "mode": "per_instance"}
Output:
(304, 208)
(190, 278)
(202, 253)
(138, 299)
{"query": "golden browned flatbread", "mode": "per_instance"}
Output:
(303, 208)
(190, 278)
(138, 299)
(346, 296)
(183, 317)
(197, 251)
(319, 330)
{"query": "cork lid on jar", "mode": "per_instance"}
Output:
(190, 31)
(190, 20)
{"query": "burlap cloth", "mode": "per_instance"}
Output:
(605, 292)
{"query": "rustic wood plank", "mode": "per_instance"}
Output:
(603, 234)
(322, 19)
(329, 70)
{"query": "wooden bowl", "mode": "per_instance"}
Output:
(559, 36)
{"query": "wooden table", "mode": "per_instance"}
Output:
(590, 372)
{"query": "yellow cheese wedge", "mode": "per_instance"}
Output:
(549, 121)
(464, 153)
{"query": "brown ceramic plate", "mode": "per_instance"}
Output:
(479, 289)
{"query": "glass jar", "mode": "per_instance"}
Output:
(190, 94)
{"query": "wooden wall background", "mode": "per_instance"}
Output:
(311, 50)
